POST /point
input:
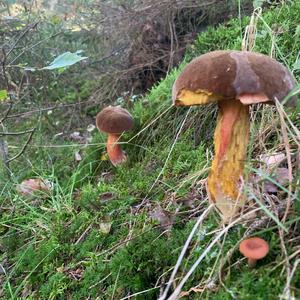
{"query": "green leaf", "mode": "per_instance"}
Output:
(3, 95)
(64, 60)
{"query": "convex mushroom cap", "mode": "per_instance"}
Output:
(219, 75)
(114, 119)
(254, 249)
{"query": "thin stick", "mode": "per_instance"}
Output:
(16, 133)
(29, 27)
(180, 258)
(23, 148)
(287, 293)
(139, 293)
(177, 291)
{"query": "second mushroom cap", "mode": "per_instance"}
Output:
(114, 119)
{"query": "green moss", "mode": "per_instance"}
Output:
(44, 237)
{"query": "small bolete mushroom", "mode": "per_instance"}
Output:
(114, 121)
(234, 79)
(254, 249)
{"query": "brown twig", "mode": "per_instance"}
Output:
(23, 148)
(16, 133)
(29, 27)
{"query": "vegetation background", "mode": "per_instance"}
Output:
(116, 233)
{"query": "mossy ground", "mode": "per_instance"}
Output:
(94, 237)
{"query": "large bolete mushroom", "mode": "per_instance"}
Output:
(234, 79)
(114, 120)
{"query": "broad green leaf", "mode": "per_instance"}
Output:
(64, 60)
(3, 95)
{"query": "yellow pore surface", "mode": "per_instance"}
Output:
(188, 98)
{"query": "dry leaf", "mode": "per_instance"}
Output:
(270, 187)
(77, 194)
(164, 217)
(91, 127)
(272, 159)
(29, 187)
(81, 139)
(27, 291)
(105, 227)
(104, 156)
(107, 176)
(75, 273)
(191, 200)
(105, 197)
(75, 136)
(78, 156)
(281, 176)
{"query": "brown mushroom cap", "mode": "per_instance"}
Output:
(254, 248)
(114, 120)
(220, 75)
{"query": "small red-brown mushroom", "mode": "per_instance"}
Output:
(254, 249)
(31, 187)
(114, 121)
(233, 79)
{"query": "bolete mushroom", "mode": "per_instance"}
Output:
(114, 121)
(254, 249)
(234, 79)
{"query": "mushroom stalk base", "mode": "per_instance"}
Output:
(230, 141)
(251, 262)
(114, 151)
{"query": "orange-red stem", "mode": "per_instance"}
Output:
(114, 151)
(230, 140)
